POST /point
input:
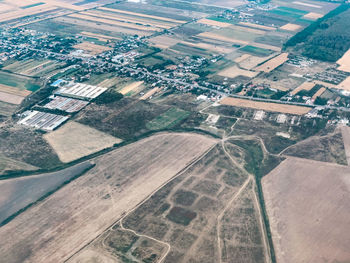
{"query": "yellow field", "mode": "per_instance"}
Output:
(63, 4)
(235, 71)
(305, 86)
(290, 27)
(269, 28)
(252, 61)
(241, 58)
(131, 87)
(92, 49)
(273, 63)
(163, 41)
(345, 85)
(214, 36)
(265, 46)
(344, 62)
(313, 16)
(319, 93)
(26, 12)
(142, 15)
(150, 93)
(247, 29)
(74, 140)
(210, 22)
(283, 108)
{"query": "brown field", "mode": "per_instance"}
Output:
(11, 98)
(222, 220)
(56, 228)
(290, 27)
(114, 22)
(319, 93)
(131, 87)
(313, 16)
(142, 15)
(150, 93)
(26, 12)
(275, 107)
(235, 71)
(5, 8)
(214, 36)
(91, 48)
(8, 164)
(63, 4)
(210, 22)
(15, 91)
(247, 29)
(164, 41)
(308, 207)
(305, 86)
(344, 62)
(269, 28)
(241, 58)
(75, 140)
(273, 63)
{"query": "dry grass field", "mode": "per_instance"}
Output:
(274, 107)
(164, 41)
(131, 87)
(150, 93)
(235, 71)
(98, 36)
(313, 16)
(273, 63)
(344, 62)
(308, 207)
(11, 98)
(291, 27)
(208, 206)
(307, 4)
(74, 140)
(252, 61)
(319, 93)
(66, 221)
(91, 48)
(26, 12)
(209, 47)
(214, 23)
(345, 85)
(214, 36)
(305, 86)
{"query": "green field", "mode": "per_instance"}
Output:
(261, 52)
(168, 119)
(19, 82)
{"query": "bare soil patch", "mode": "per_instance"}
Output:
(307, 204)
(74, 140)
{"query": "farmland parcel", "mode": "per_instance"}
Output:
(73, 216)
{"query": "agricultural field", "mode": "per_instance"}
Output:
(273, 63)
(20, 193)
(235, 71)
(168, 119)
(88, 205)
(274, 107)
(306, 202)
(8, 164)
(344, 63)
(74, 140)
(91, 49)
(183, 215)
(33, 67)
(14, 88)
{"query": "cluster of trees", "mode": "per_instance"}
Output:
(327, 38)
